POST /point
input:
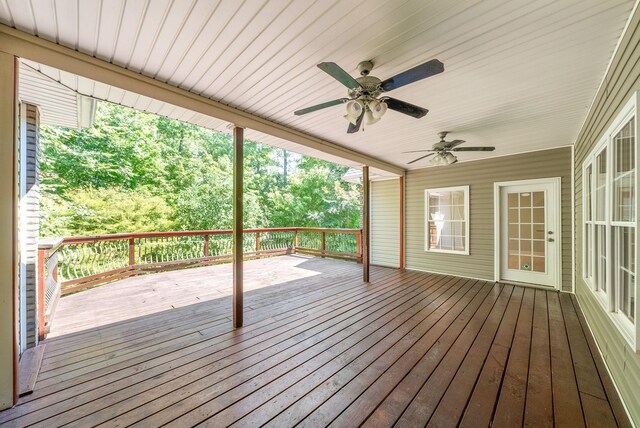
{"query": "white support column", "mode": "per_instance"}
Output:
(8, 237)
(238, 189)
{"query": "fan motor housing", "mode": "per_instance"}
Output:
(370, 87)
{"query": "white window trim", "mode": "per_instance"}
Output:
(587, 225)
(609, 300)
(466, 219)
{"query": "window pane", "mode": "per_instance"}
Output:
(446, 225)
(624, 247)
(588, 193)
(601, 185)
(624, 174)
(601, 258)
(589, 251)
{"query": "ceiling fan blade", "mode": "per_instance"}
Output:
(334, 70)
(418, 151)
(420, 158)
(414, 74)
(320, 106)
(473, 149)
(355, 128)
(406, 108)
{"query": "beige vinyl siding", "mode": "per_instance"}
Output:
(480, 176)
(385, 223)
(622, 80)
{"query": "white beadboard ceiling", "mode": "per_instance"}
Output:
(519, 74)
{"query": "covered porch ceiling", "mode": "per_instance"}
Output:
(519, 75)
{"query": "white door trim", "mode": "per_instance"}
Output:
(497, 241)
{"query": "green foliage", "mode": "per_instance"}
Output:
(138, 172)
(108, 210)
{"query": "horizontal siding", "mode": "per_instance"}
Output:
(385, 223)
(622, 80)
(481, 176)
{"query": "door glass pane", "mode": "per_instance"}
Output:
(624, 174)
(527, 231)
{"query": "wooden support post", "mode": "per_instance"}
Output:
(257, 241)
(365, 223)
(359, 246)
(206, 245)
(323, 242)
(295, 241)
(238, 145)
(132, 251)
(401, 264)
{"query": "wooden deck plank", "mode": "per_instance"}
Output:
(538, 411)
(454, 402)
(319, 347)
(596, 408)
(435, 342)
(224, 399)
(339, 372)
(203, 353)
(567, 410)
(615, 402)
(511, 401)
(266, 322)
(63, 365)
(423, 405)
(483, 399)
(238, 373)
(29, 367)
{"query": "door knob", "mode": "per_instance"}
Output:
(551, 240)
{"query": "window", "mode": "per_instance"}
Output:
(609, 222)
(447, 220)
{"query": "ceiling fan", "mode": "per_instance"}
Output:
(363, 96)
(442, 151)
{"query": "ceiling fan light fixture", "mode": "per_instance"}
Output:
(354, 110)
(377, 108)
(449, 158)
(371, 118)
(437, 160)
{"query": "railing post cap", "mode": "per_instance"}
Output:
(49, 243)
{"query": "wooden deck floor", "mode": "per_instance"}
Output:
(319, 347)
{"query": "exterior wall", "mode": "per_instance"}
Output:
(29, 217)
(621, 81)
(481, 176)
(385, 223)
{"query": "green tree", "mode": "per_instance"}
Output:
(109, 210)
(162, 173)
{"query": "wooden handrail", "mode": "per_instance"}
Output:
(98, 259)
(122, 236)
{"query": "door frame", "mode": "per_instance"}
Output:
(556, 182)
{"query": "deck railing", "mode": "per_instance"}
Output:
(80, 262)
